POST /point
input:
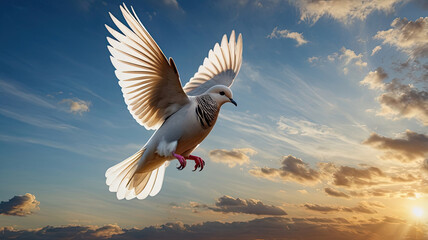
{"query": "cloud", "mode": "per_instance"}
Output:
(319, 208)
(406, 191)
(405, 101)
(407, 36)
(277, 33)
(375, 50)
(362, 207)
(342, 10)
(398, 99)
(362, 182)
(302, 191)
(20, 205)
(425, 164)
(353, 177)
(312, 59)
(76, 106)
(292, 169)
(347, 58)
(64, 232)
(413, 146)
(375, 79)
(106, 231)
(335, 193)
(262, 228)
(171, 3)
(227, 204)
(232, 158)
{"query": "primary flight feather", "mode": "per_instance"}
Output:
(181, 116)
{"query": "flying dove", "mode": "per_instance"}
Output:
(181, 116)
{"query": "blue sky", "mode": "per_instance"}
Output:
(303, 113)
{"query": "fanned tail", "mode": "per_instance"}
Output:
(122, 179)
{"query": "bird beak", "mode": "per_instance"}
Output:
(233, 102)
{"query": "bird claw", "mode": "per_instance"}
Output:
(199, 162)
(180, 159)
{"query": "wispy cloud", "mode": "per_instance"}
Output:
(42, 122)
(11, 89)
(284, 33)
(344, 11)
(173, 4)
(335, 193)
(362, 207)
(296, 135)
(96, 95)
(233, 157)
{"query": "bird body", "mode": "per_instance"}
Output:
(188, 133)
(182, 117)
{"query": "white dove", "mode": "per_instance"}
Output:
(182, 117)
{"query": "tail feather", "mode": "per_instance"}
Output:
(122, 179)
(159, 180)
(114, 171)
(145, 190)
(120, 175)
(140, 181)
(123, 186)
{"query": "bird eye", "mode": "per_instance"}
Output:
(221, 93)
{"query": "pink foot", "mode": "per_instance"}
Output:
(199, 162)
(181, 159)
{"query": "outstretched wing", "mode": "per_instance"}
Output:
(150, 83)
(219, 68)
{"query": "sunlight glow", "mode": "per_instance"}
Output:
(418, 212)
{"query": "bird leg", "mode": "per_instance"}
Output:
(199, 162)
(181, 159)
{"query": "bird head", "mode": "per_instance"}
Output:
(221, 94)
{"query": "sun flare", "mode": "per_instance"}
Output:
(418, 212)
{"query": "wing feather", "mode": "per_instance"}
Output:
(219, 68)
(150, 83)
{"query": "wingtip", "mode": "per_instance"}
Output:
(126, 8)
(240, 40)
(224, 39)
(113, 18)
